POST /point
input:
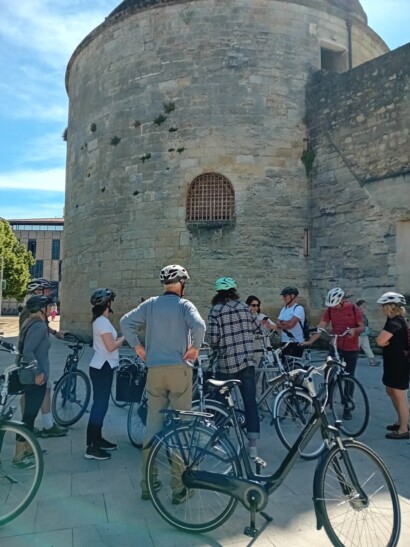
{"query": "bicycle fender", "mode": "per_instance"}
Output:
(318, 472)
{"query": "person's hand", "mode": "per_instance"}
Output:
(120, 341)
(39, 379)
(140, 351)
(268, 324)
(305, 344)
(191, 354)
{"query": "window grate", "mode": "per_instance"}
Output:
(210, 198)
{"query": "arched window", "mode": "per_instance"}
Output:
(210, 200)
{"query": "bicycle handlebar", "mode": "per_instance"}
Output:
(332, 335)
(71, 337)
(10, 348)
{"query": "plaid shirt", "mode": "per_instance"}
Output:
(231, 334)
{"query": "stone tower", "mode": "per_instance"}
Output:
(186, 136)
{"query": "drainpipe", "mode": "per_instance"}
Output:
(349, 42)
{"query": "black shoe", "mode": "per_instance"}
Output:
(106, 445)
(393, 427)
(347, 415)
(94, 452)
(181, 496)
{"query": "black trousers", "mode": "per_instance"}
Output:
(101, 380)
(33, 400)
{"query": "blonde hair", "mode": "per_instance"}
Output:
(394, 309)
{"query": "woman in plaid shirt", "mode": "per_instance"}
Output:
(231, 333)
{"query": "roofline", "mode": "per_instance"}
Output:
(40, 221)
(112, 20)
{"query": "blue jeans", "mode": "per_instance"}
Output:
(248, 392)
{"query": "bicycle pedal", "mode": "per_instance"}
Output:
(260, 462)
(251, 532)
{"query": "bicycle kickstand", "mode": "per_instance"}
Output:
(251, 530)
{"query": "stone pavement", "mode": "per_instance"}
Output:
(85, 503)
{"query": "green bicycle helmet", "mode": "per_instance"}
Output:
(224, 284)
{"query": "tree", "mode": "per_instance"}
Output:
(16, 263)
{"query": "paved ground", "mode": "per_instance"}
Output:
(83, 503)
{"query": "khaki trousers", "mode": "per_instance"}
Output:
(167, 386)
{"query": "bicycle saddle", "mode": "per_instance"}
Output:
(223, 383)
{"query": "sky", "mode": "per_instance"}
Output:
(37, 38)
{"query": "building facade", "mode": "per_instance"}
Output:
(189, 141)
(44, 239)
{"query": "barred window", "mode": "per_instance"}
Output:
(210, 200)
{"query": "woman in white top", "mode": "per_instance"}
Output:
(104, 360)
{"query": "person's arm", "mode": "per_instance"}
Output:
(213, 331)
(196, 325)
(287, 325)
(129, 324)
(109, 342)
(384, 338)
(34, 337)
(322, 325)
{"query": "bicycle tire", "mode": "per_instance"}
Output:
(137, 421)
(203, 510)
(292, 409)
(124, 361)
(17, 486)
(347, 391)
(71, 397)
(348, 519)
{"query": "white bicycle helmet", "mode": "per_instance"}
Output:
(334, 297)
(39, 283)
(172, 274)
(392, 298)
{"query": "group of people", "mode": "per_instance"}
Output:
(174, 333)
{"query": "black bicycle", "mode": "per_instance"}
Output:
(20, 474)
(196, 478)
(72, 391)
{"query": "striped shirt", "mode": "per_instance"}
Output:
(231, 334)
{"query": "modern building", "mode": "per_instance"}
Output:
(44, 239)
(263, 139)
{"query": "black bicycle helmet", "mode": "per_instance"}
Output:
(289, 291)
(102, 296)
(39, 283)
(38, 302)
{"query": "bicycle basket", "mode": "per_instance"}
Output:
(130, 384)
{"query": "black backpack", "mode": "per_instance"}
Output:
(305, 326)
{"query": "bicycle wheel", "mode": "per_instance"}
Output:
(71, 397)
(124, 361)
(292, 409)
(201, 510)
(356, 498)
(137, 421)
(349, 402)
(18, 484)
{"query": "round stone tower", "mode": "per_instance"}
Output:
(187, 144)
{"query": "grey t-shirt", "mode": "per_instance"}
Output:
(36, 344)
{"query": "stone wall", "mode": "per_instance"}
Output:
(236, 73)
(359, 134)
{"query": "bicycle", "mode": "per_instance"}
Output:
(18, 485)
(72, 391)
(340, 390)
(195, 477)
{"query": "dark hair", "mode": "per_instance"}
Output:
(360, 302)
(98, 310)
(222, 297)
(251, 298)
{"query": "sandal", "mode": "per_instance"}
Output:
(397, 435)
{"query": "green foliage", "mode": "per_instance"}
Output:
(115, 140)
(17, 262)
(308, 159)
(173, 129)
(169, 107)
(137, 124)
(180, 150)
(93, 127)
(64, 134)
(159, 120)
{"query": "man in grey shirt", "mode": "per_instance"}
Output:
(174, 334)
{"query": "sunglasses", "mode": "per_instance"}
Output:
(254, 306)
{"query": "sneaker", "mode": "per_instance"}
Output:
(347, 415)
(106, 445)
(30, 455)
(25, 463)
(55, 431)
(145, 494)
(96, 453)
(181, 496)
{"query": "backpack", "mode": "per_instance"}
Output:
(305, 326)
(130, 384)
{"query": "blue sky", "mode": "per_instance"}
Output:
(37, 38)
